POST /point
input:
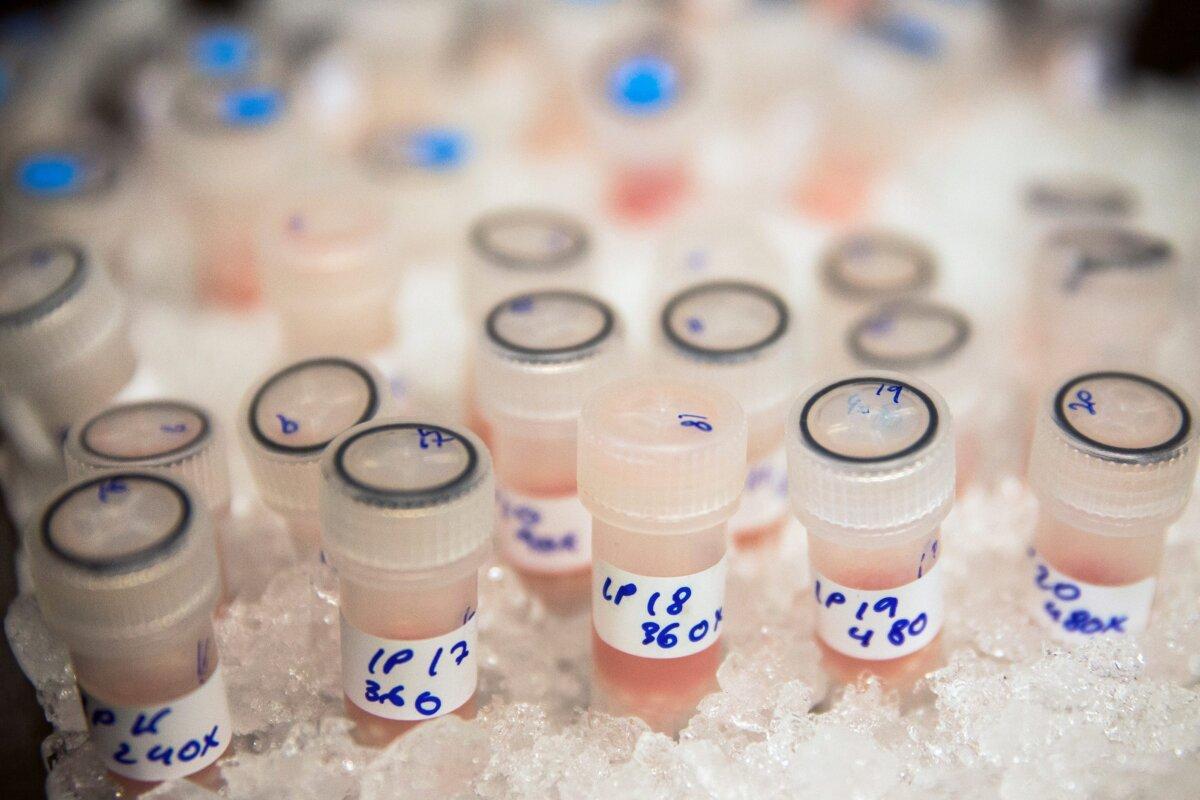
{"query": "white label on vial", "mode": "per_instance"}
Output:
(658, 617)
(544, 534)
(161, 742)
(409, 679)
(879, 624)
(765, 496)
(1073, 610)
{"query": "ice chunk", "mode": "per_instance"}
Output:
(44, 660)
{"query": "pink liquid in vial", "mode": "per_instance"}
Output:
(663, 692)
(435, 603)
(1098, 559)
(228, 274)
(647, 195)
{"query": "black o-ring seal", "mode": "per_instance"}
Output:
(725, 353)
(57, 296)
(607, 325)
(921, 442)
(481, 232)
(197, 439)
(404, 497)
(923, 260)
(328, 361)
(962, 332)
(1132, 453)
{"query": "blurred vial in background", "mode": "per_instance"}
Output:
(126, 575)
(741, 337)
(286, 421)
(935, 343)
(513, 251)
(1113, 462)
(860, 271)
(539, 355)
(169, 437)
(406, 520)
(645, 97)
(331, 270)
(707, 247)
(64, 344)
(229, 149)
(871, 471)
(661, 469)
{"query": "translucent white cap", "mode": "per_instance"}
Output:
(328, 269)
(541, 354)
(56, 305)
(517, 250)
(1114, 452)
(1075, 197)
(178, 438)
(909, 335)
(400, 496)
(290, 416)
(662, 456)
(877, 265)
(870, 458)
(735, 335)
(120, 556)
(1086, 260)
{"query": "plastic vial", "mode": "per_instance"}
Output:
(329, 270)
(1113, 461)
(739, 336)
(935, 343)
(64, 343)
(862, 270)
(513, 251)
(644, 101)
(229, 147)
(170, 437)
(539, 356)
(661, 468)
(871, 471)
(286, 421)
(709, 247)
(406, 520)
(126, 575)
(1052, 202)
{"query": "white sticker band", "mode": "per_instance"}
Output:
(658, 617)
(161, 742)
(765, 497)
(544, 534)
(411, 679)
(1073, 610)
(879, 624)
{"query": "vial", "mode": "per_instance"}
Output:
(645, 99)
(862, 270)
(169, 437)
(739, 336)
(407, 513)
(871, 476)
(329, 271)
(228, 146)
(513, 251)
(933, 342)
(540, 354)
(707, 247)
(64, 343)
(126, 575)
(1112, 464)
(661, 468)
(285, 423)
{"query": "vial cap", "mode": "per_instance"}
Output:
(1080, 197)
(224, 50)
(663, 456)
(291, 415)
(215, 107)
(909, 335)
(404, 148)
(646, 76)
(72, 171)
(1089, 259)
(518, 250)
(405, 496)
(171, 436)
(877, 266)
(1115, 452)
(870, 457)
(542, 353)
(122, 555)
(734, 334)
(55, 304)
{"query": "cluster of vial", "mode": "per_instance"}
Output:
(613, 473)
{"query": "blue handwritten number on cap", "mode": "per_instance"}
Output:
(439, 438)
(178, 427)
(286, 425)
(1083, 402)
(111, 487)
(894, 389)
(697, 421)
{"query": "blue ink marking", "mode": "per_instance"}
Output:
(854, 404)
(287, 426)
(295, 223)
(468, 615)
(460, 647)
(223, 51)
(909, 34)
(40, 257)
(681, 596)
(437, 149)
(864, 639)
(160, 753)
(402, 656)
(178, 427)
(439, 438)
(122, 754)
(521, 305)
(143, 725)
(185, 754)
(651, 603)
(110, 487)
(248, 108)
(894, 389)
(432, 671)
(697, 260)
(644, 85)
(51, 174)
(697, 421)
(862, 608)
(880, 325)
(1083, 402)
(695, 324)
(428, 704)
(210, 739)
(103, 716)
(201, 658)
(888, 604)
